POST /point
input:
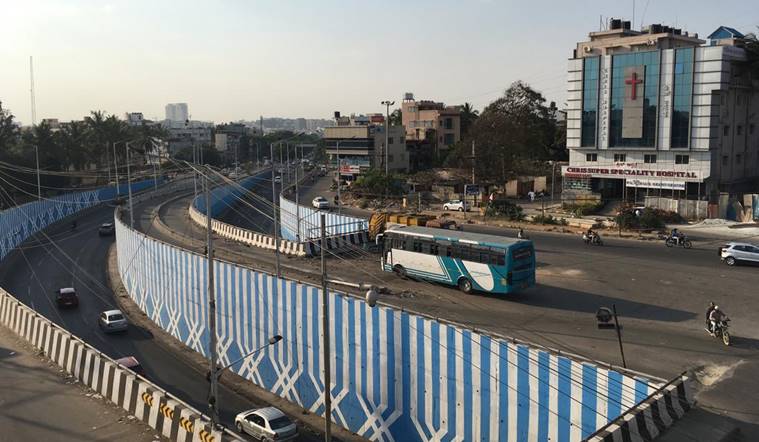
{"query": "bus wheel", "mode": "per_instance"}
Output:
(465, 285)
(400, 271)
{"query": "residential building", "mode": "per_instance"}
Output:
(188, 134)
(177, 112)
(658, 111)
(431, 121)
(134, 118)
(359, 143)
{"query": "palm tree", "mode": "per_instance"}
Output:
(97, 124)
(468, 115)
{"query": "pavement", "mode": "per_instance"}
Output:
(40, 402)
(79, 259)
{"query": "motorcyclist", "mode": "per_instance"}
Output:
(675, 234)
(716, 316)
(709, 312)
(520, 233)
(590, 234)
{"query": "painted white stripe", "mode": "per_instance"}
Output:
(553, 398)
(512, 367)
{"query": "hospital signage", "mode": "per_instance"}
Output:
(630, 173)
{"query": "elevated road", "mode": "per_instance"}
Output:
(660, 293)
(34, 271)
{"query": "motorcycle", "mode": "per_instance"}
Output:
(720, 331)
(684, 241)
(592, 239)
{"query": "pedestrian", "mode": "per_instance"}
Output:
(531, 194)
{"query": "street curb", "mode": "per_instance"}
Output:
(196, 362)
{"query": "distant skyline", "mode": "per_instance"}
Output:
(235, 60)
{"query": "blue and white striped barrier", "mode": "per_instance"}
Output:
(19, 223)
(310, 222)
(395, 375)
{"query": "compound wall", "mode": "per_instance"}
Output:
(19, 223)
(225, 196)
(395, 375)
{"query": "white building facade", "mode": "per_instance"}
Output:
(657, 111)
(177, 112)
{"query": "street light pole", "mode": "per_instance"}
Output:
(339, 200)
(275, 207)
(325, 338)
(37, 157)
(297, 192)
(212, 399)
(272, 340)
(387, 104)
(129, 187)
(116, 168)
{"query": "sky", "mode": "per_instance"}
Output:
(239, 59)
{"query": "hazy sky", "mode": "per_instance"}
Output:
(238, 59)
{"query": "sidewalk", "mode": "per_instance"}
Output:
(39, 402)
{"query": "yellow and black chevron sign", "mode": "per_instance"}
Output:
(186, 424)
(167, 411)
(147, 398)
(205, 436)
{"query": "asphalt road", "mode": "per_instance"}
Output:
(38, 268)
(38, 403)
(660, 293)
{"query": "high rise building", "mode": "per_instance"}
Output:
(661, 112)
(177, 112)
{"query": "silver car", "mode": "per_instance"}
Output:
(733, 252)
(112, 321)
(266, 424)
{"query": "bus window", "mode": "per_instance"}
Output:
(434, 249)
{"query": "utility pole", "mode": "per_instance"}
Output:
(325, 339)
(387, 104)
(553, 179)
(129, 188)
(195, 164)
(213, 397)
(34, 123)
(275, 206)
(297, 192)
(116, 168)
(339, 200)
(287, 147)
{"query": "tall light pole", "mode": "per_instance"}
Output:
(387, 132)
(275, 208)
(214, 378)
(116, 169)
(37, 157)
(325, 337)
(129, 188)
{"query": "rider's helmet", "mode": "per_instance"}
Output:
(716, 307)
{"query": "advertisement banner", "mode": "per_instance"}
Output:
(656, 184)
(624, 171)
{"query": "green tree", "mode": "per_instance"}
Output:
(73, 139)
(396, 118)
(751, 45)
(468, 115)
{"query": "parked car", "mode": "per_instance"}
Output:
(456, 205)
(66, 297)
(278, 179)
(734, 252)
(131, 363)
(112, 321)
(266, 424)
(106, 229)
(320, 203)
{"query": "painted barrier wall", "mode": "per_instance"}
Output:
(163, 412)
(224, 196)
(19, 223)
(395, 375)
(310, 222)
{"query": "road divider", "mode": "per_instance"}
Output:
(165, 413)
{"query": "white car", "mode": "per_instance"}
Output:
(733, 252)
(278, 179)
(112, 321)
(320, 203)
(456, 205)
(266, 424)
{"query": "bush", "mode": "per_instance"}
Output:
(649, 218)
(549, 219)
(511, 211)
(375, 184)
(579, 210)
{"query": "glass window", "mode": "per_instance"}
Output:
(751, 129)
(682, 90)
(448, 139)
(448, 123)
(725, 160)
(739, 129)
(738, 158)
(650, 91)
(649, 158)
(620, 157)
(591, 157)
(726, 130)
(590, 78)
(682, 159)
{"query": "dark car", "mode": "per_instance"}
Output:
(106, 229)
(66, 297)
